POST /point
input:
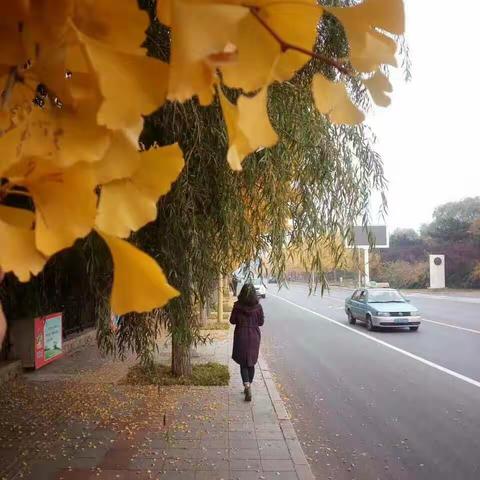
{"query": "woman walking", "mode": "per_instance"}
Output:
(247, 316)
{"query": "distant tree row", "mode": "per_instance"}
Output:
(454, 232)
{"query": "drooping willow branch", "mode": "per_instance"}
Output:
(284, 46)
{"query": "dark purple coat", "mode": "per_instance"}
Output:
(246, 339)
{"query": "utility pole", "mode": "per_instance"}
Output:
(366, 265)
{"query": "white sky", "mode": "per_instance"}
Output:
(429, 136)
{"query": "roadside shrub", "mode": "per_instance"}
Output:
(402, 274)
(475, 275)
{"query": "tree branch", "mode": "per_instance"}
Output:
(284, 46)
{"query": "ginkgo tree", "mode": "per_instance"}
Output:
(76, 83)
(321, 257)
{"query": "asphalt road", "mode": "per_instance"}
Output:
(382, 405)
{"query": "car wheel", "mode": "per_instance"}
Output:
(263, 296)
(351, 318)
(413, 329)
(370, 326)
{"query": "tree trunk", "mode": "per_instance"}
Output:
(181, 359)
(220, 299)
(203, 308)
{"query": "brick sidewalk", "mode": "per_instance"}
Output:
(125, 432)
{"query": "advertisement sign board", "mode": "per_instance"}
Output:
(376, 233)
(48, 339)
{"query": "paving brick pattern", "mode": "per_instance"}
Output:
(214, 435)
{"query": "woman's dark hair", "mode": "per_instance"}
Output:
(248, 295)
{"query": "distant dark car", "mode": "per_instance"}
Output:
(272, 280)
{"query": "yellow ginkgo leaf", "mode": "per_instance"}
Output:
(65, 209)
(261, 56)
(248, 127)
(194, 41)
(122, 24)
(121, 160)
(65, 201)
(132, 85)
(63, 62)
(65, 135)
(377, 49)
(78, 137)
(127, 205)
(51, 67)
(301, 33)
(159, 168)
(10, 149)
(5, 119)
(16, 10)
(332, 99)
(123, 208)
(12, 52)
(47, 23)
(288, 64)
(238, 145)
(377, 86)
(257, 51)
(370, 48)
(139, 284)
(39, 128)
(387, 15)
(254, 122)
(18, 253)
(164, 12)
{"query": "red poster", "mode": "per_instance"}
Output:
(48, 339)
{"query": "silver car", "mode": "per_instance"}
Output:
(381, 307)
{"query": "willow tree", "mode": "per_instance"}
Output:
(305, 192)
(76, 85)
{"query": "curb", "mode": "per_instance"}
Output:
(302, 467)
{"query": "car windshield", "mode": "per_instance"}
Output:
(385, 296)
(257, 281)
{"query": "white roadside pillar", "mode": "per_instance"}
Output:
(437, 271)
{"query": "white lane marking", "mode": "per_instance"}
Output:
(471, 330)
(452, 373)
